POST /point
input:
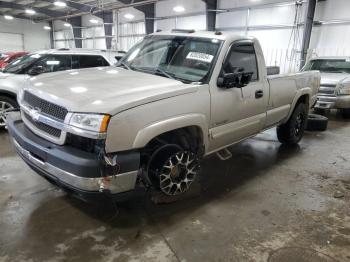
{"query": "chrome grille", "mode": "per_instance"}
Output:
(45, 107)
(43, 127)
(327, 90)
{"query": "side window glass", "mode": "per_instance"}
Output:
(53, 63)
(242, 58)
(75, 62)
(86, 61)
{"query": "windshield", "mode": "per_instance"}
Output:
(16, 66)
(329, 65)
(187, 59)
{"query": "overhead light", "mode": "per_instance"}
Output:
(46, 27)
(93, 21)
(179, 9)
(30, 11)
(67, 24)
(129, 16)
(60, 4)
(8, 17)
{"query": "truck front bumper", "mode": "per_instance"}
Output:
(74, 170)
(333, 102)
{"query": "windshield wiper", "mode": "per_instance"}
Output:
(164, 73)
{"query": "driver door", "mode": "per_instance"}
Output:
(237, 113)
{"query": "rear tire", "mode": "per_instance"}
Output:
(6, 103)
(292, 132)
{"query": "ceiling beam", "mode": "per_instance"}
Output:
(106, 7)
(40, 10)
(16, 16)
(75, 5)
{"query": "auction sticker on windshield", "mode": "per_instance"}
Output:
(200, 57)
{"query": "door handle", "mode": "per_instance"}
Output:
(259, 94)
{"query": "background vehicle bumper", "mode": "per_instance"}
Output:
(332, 102)
(73, 169)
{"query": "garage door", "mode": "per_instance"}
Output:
(11, 42)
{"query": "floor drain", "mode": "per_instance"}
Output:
(292, 254)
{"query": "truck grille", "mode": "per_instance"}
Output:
(43, 127)
(45, 107)
(327, 90)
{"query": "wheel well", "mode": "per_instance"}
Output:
(190, 137)
(8, 94)
(304, 99)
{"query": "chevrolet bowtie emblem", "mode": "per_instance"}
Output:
(35, 113)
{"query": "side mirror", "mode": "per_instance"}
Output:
(36, 70)
(238, 79)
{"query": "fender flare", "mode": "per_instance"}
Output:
(145, 135)
(300, 93)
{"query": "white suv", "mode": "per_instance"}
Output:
(13, 77)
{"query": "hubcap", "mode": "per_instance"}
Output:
(4, 107)
(299, 124)
(178, 173)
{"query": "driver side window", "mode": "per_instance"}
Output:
(242, 58)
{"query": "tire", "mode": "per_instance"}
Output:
(316, 123)
(292, 132)
(6, 103)
(173, 169)
(345, 113)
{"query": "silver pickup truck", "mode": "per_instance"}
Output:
(335, 83)
(174, 98)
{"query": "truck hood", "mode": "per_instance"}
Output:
(107, 90)
(333, 78)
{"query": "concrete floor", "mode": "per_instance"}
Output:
(268, 203)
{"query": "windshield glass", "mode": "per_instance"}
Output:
(329, 65)
(186, 59)
(20, 63)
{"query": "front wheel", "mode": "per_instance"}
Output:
(6, 104)
(292, 132)
(173, 170)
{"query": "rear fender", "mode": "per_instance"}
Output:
(300, 93)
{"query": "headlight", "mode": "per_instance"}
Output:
(344, 88)
(91, 122)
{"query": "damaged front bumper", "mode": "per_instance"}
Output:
(76, 171)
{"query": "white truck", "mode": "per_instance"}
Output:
(14, 76)
(174, 98)
(335, 83)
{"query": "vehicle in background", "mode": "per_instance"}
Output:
(335, 83)
(9, 57)
(119, 55)
(15, 74)
(175, 98)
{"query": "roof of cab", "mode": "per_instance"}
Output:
(204, 34)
